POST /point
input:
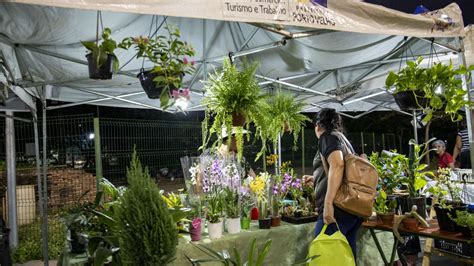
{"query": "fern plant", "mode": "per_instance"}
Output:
(231, 91)
(148, 234)
(284, 115)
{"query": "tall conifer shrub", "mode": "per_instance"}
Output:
(148, 235)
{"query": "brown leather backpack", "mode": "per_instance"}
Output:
(359, 183)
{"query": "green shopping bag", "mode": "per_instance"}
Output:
(331, 250)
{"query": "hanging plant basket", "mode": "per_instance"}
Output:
(406, 100)
(102, 72)
(238, 120)
(152, 90)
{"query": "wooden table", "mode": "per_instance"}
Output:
(430, 232)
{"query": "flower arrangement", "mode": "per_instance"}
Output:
(259, 187)
(170, 58)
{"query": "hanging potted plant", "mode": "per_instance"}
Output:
(385, 208)
(432, 89)
(446, 210)
(283, 115)
(102, 59)
(170, 58)
(415, 177)
(233, 98)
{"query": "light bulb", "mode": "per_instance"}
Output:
(439, 90)
(181, 104)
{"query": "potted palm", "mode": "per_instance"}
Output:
(446, 210)
(169, 56)
(233, 98)
(432, 89)
(101, 57)
(283, 115)
(415, 177)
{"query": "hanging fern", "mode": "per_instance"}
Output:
(232, 91)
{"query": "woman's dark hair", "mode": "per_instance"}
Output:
(328, 119)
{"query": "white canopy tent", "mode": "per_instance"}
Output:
(333, 54)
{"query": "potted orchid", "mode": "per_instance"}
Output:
(212, 178)
(301, 210)
(247, 203)
(260, 189)
(170, 58)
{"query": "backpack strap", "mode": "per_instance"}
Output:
(346, 149)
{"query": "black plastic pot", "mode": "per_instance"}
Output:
(149, 86)
(406, 100)
(265, 223)
(78, 243)
(466, 231)
(443, 216)
(102, 72)
(300, 219)
(405, 203)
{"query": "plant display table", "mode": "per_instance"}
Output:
(431, 232)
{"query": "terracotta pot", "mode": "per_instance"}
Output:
(238, 120)
(245, 223)
(386, 219)
(265, 223)
(410, 223)
(276, 220)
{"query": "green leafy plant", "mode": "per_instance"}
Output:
(465, 219)
(232, 202)
(100, 52)
(148, 234)
(283, 115)
(169, 56)
(389, 167)
(254, 258)
(415, 171)
(444, 187)
(439, 84)
(381, 206)
(233, 92)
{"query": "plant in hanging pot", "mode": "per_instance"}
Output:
(259, 187)
(415, 177)
(446, 209)
(284, 115)
(437, 88)
(170, 58)
(102, 59)
(230, 96)
(385, 208)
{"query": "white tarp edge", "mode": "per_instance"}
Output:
(341, 15)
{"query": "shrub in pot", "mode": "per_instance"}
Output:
(446, 210)
(465, 221)
(102, 59)
(432, 89)
(231, 93)
(384, 208)
(390, 169)
(169, 57)
(148, 233)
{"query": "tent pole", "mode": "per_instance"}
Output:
(415, 130)
(45, 181)
(10, 158)
(294, 86)
(92, 101)
(466, 87)
(204, 49)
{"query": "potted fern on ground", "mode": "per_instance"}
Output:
(102, 59)
(233, 99)
(431, 89)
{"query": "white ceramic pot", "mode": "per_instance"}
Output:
(215, 229)
(233, 225)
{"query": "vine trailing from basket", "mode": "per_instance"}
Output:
(438, 84)
(169, 54)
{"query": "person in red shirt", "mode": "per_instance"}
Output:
(445, 159)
